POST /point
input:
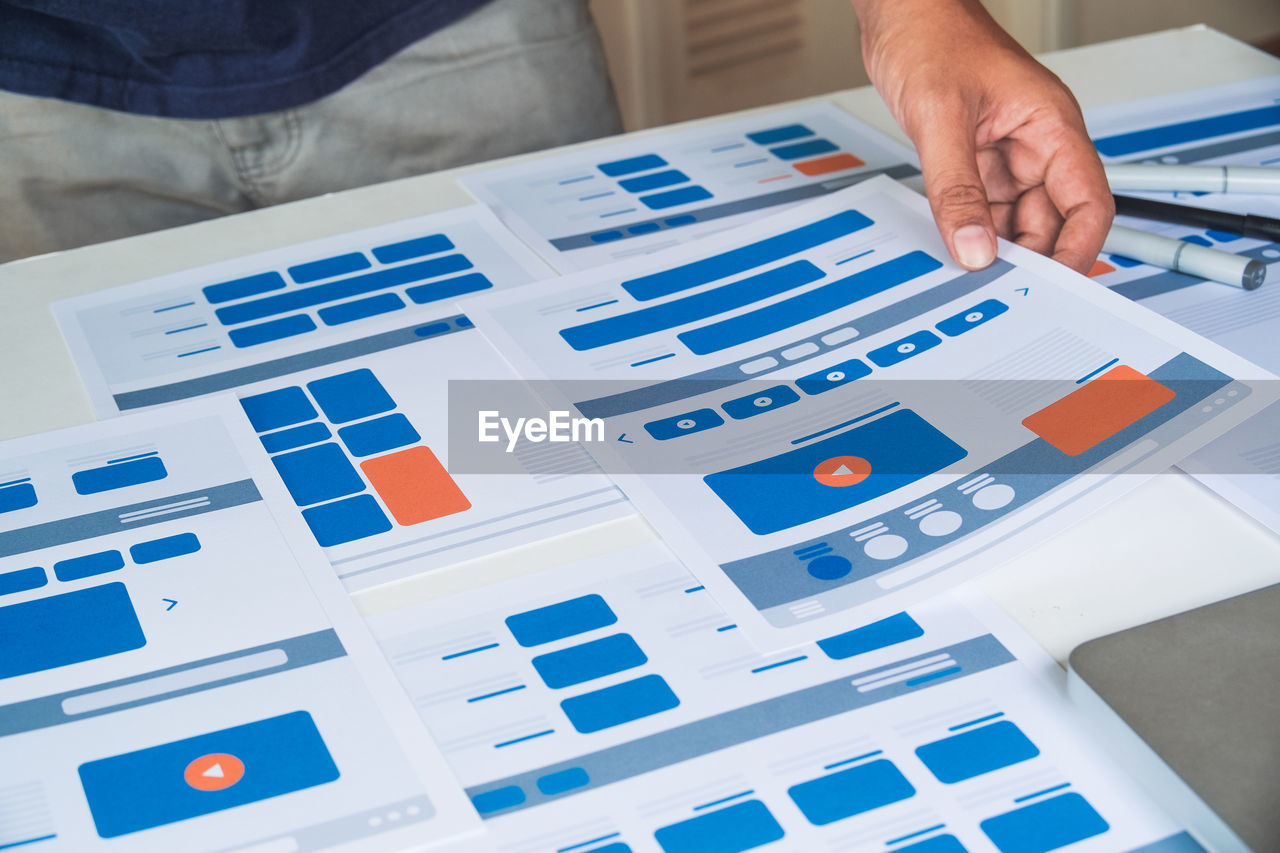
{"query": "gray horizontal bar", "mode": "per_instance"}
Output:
(1226, 148)
(91, 526)
(741, 725)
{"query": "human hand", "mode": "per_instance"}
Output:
(1000, 138)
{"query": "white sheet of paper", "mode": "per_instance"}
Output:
(799, 496)
(608, 704)
(590, 207)
(179, 669)
(1237, 124)
(221, 327)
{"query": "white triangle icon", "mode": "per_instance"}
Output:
(214, 772)
(842, 471)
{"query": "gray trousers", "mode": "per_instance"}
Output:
(514, 76)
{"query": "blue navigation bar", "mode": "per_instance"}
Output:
(329, 267)
(165, 549)
(273, 330)
(121, 475)
(253, 285)
(416, 248)
(643, 163)
(360, 309)
(1134, 142)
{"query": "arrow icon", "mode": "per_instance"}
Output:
(1023, 290)
(172, 604)
(623, 438)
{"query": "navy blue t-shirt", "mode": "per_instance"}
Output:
(205, 58)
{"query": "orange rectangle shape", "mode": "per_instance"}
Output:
(414, 485)
(832, 163)
(1090, 415)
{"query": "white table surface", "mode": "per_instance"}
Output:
(1166, 546)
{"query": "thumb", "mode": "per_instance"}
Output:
(955, 189)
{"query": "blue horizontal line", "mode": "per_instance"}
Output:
(186, 328)
(1270, 161)
(851, 760)
(16, 482)
(597, 195)
(695, 589)
(780, 663)
(728, 147)
(131, 458)
(28, 841)
(750, 162)
(520, 739)
(585, 843)
(496, 693)
(933, 676)
(173, 307)
(846, 423)
(652, 360)
(198, 351)
(800, 552)
(855, 257)
(916, 834)
(811, 554)
(723, 800)
(469, 651)
(1088, 376)
(597, 305)
(617, 212)
(729, 627)
(576, 180)
(1026, 797)
(960, 726)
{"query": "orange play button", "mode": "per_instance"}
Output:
(214, 772)
(842, 471)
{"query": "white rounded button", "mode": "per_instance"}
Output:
(375, 821)
(973, 316)
(1206, 409)
(906, 348)
(940, 523)
(835, 376)
(885, 547)
(686, 423)
(761, 402)
(993, 497)
(1220, 401)
(393, 816)
(412, 810)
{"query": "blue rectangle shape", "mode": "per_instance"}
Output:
(560, 620)
(346, 520)
(595, 659)
(448, 289)
(498, 799)
(329, 267)
(781, 491)
(416, 248)
(656, 181)
(671, 198)
(22, 580)
(808, 305)
(121, 475)
(273, 330)
(280, 408)
(685, 424)
(897, 628)
(977, 751)
(774, 135)
(1124, 144)
(301, 436)
(811, 148)
(1044, 826)
(165, 549)
(239, 288)
(631, 164)
(370, 306)
(21, 496)
(385, 433)
(319, 473)
(833, 376)
(937, 844)
(562, 781)
(903, 349)
(621, 703)
(689, 309)
(351, 396)
(846, 793)
(347, 288)
(971, 318)
(75, 568)
(739, 827)
(139, 790)
(760, 402)
(60, 630)
(747, 257)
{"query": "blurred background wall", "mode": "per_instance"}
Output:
(680, 59)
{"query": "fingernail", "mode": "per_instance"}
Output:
(974, 247)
